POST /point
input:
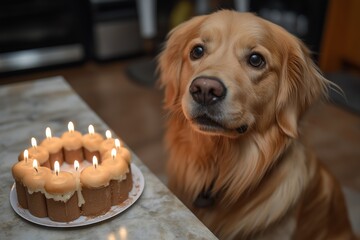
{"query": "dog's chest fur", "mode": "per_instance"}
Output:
(241, 184)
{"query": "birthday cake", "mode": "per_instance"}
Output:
(97, 175)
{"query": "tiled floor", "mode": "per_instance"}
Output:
(135, 113)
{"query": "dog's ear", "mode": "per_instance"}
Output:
(301, 84)
(171, 58)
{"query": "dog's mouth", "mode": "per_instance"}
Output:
(206, 121)
(208, 124)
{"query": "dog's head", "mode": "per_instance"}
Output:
(229, 73)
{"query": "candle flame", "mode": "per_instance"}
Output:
(33, 142)
(71, 126)
(123, 233)
(111, 236)
(26, 155)
(113, 153)
(108, 134)
(35, 165)
(117, 143)
(95, 161)
(48, 132)
(91, 129)
(76, 165)
(57, 167)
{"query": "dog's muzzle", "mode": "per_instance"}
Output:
(207, 90)
(208, 93)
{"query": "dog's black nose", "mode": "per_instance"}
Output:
(207, 91)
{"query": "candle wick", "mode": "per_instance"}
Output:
(57, 173)
(36, 169)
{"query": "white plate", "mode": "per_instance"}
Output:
(138, 187)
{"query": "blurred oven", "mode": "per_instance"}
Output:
(115, 29)
(41, 33)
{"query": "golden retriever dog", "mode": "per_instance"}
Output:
(236, 87)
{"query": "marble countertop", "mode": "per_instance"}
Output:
(26, 109)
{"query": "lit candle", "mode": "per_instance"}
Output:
(113, 153)
(95, 177)
(48, 133)
(71, 127)
(35, 182)
(95, 162)
(126, 155)
(35, 165)
(107, 144)
(19, 170)
(40, 153)
(120, 150)
(26, 155)
(33, 142)
(54, 146)
(56, 168)
(117, 144)
(76, 165)
(72, 143)
(108, 134)
(91, 143)
(91, 129)
(118, 169)
(116, 165)
(61, 186)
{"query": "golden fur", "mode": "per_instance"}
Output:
(265, 184)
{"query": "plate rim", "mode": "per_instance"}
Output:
(84, 221)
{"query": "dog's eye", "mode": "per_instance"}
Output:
(256, 60)
(197, 52)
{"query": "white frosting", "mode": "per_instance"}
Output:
(81, 199)
(35, 190)
(121, 177)
(59, 197)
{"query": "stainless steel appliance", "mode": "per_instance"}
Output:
(115, 29)
(41, 33)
